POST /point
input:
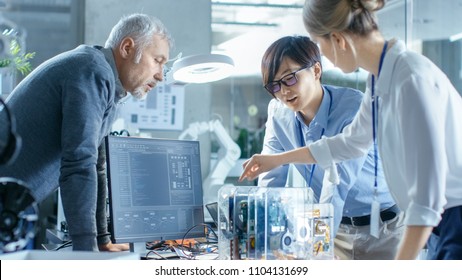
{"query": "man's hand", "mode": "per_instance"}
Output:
(256, 165)
(110, 247)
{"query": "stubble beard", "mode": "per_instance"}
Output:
(139, 93)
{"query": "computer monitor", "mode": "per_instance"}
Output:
(155, 190)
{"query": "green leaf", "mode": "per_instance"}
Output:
(20, 61)
(5, 62)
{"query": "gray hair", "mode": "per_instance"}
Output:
(322, 17)
(141, 28)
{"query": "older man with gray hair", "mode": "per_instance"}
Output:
(66, 107)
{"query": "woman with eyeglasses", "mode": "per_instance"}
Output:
(304, 110)
(411, 113)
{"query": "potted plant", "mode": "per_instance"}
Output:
(17, 59)
(12, 61)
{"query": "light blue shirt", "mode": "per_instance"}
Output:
(285, 130)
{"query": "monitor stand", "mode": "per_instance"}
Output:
(138, 247)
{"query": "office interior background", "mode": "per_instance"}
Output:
(242, 29)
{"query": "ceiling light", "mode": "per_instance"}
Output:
(202, 68)
(455, 37)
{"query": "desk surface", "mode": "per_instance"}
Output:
(57, 240)
(68, 255)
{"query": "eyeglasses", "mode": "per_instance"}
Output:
(288, 80)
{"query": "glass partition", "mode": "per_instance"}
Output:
(435, 30)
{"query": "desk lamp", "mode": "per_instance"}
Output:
(198, 69)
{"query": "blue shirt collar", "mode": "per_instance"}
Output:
(321, 117)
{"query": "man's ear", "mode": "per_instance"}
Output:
(127, 48)
(317, 70)
(339, 40)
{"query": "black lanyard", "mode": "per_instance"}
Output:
(375, 108)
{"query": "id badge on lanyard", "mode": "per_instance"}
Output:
(375, 206)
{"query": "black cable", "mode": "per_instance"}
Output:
(64, 245)
(181, 247)
(157, 254)
(122, 132)
(156, 245)
(69, 242)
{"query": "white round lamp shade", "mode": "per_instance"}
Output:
(203, 68)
